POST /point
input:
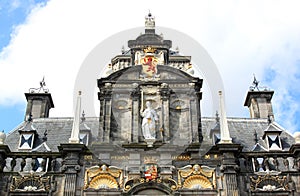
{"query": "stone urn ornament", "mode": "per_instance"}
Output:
(2, 137)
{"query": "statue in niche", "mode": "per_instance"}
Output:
(148, 124)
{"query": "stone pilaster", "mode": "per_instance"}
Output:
(101, 119)
(105, 99)
(229, 167)
(295, 151)
(72, 161)
(165, 113)
(135, 115)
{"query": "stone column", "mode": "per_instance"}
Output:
(72, 160)
(229, 168)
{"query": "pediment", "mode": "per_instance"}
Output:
(165, 73)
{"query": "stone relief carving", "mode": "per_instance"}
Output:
(103, 177)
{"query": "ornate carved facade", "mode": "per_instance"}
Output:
(150, 137)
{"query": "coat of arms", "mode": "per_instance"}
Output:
(150, 169)
(149, 61)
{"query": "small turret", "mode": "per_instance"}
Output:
(39, 102)
(258, 101)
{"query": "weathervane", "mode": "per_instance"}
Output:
(42, 87)
(254, 84)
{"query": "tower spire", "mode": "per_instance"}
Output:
(225, 135)
(75, 130)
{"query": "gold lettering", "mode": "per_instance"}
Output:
(181, 158)
(123, 157)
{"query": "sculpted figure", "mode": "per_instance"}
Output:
(148, 124)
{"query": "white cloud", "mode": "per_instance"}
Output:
(242, 37)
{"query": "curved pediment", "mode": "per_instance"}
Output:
(165, 73)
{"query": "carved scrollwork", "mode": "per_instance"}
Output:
(135, 182)
(268, 183)
(30, 182)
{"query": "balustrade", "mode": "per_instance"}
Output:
(32, 163)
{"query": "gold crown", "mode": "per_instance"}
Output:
(150, 159)
(149, 50)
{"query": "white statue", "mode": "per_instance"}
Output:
(148, 124)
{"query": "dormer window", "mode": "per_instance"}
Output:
(26, 141)
(84, 138)
(272, 137)
(27, 134)
(216, 138)
(274, 142)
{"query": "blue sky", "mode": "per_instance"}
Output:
(52, 38)
(12, 14)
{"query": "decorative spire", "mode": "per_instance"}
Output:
(45, 135)
(149, 21)
(123, 50)
(82, 116)
(217, 117)
(75, 130)
(255, 137)
(225, 135)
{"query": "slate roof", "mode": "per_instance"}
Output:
(59, 131)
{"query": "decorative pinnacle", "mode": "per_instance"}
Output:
(225, 135)
(83, 116)
(255, 137)
(149, 21)
(217, 117)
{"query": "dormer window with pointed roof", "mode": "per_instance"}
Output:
(84, 131)
(27, 136)
(272, 137)
(215, 131)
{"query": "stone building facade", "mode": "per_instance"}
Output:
(150, 137)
